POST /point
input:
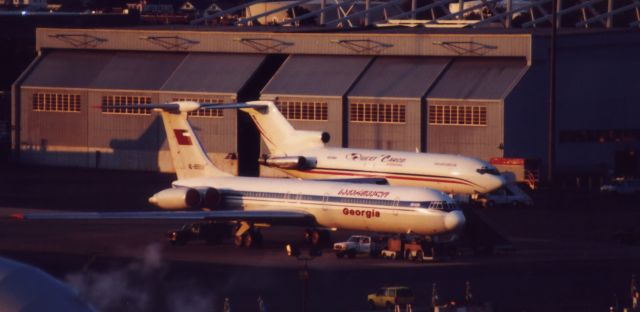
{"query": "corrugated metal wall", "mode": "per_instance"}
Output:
(598, 102)
(94, 138)
(318, 77)
(388, 81)
(54, 138)
(473, 82)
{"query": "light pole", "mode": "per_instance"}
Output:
(293, 251)
(551, 120)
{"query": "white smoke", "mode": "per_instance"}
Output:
(140, 285)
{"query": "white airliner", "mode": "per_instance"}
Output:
(255, 202)
(303, 154)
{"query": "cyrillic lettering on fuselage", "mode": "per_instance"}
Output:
(363, 193)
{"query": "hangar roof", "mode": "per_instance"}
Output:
(405, 77)
(137, 70)
(317, 75)
(195, 72)
(209, 72)
(68, 68)
(479, 78)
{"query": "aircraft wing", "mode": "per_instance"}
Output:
(260, 216)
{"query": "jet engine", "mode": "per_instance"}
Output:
(186, 198)
(210, 198)
(292, 162)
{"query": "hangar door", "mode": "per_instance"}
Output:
(386, 104)
(465, 109)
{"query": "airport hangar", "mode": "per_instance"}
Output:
(481, 93)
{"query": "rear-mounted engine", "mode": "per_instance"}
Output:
(186, 198)
(298, 162)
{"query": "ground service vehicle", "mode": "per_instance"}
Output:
(510, 195)
(209, 232)
(358, 244)
(622, 186)
(412, 249)
(388, 297)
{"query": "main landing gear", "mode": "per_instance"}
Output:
(319, 238)
(245, 235)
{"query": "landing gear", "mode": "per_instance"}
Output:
(247, 236)
(319, 238)
(210, 232)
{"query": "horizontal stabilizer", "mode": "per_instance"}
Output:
(185, 106)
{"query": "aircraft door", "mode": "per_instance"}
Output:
(325, 202)
(396, 203)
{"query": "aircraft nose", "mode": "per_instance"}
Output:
(454, 220)
(496, 182)
(153, 200)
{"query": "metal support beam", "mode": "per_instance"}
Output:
(413, 8)
(507, 22)
(225, 12)
(423, 8)
(367, 4)
(318, 12)
(603, 17)
(469, 9)
(246, 20)
(502, 15)
(562, 12)
(365, 12)
(551, 114)
(610, 17)
(558, 16)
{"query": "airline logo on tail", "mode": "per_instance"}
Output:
(182, 136)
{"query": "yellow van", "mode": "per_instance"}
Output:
(388, 297)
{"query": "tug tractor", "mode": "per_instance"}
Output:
(210, 232)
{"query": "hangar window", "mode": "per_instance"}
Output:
(214, 113)
(54, 102)
(296, 110)
(457, 115)
(377, 113)
(600, 136)
(121, 104)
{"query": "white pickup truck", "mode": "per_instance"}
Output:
(356, 244)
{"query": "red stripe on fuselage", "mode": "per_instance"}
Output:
(413, 178)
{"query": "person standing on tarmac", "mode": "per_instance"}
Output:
(261, 305)
(226, 307)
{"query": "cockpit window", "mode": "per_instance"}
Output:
(489, 170)
(441, 205)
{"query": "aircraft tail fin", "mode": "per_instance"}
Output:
(189, 157)
(278, 134)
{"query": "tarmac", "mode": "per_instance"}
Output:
(563, 257)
